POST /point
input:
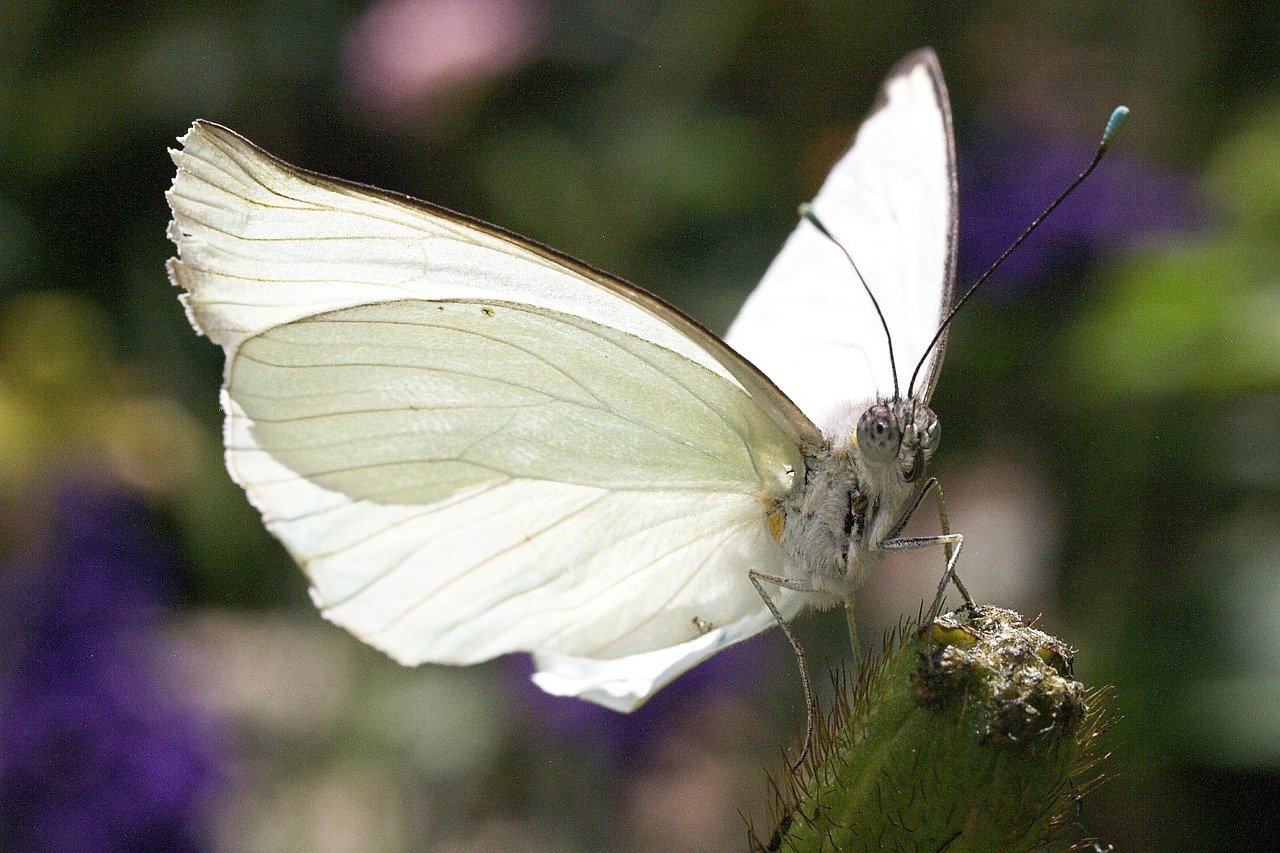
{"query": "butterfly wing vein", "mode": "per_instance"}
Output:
(468, 449)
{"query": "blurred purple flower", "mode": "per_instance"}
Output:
(98, 749)
(1007, 179)
(402, 54)
(736, 672)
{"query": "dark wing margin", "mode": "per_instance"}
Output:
(927, 58)
(755, 381)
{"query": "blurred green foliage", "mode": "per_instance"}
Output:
(670, 143)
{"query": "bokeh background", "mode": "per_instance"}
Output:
(1111, 404)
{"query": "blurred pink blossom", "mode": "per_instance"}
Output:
(403, 54)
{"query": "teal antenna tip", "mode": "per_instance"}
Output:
(1118, 115)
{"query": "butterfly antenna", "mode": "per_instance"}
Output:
(1113, 124)
(807, 212)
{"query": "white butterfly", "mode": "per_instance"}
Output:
(475, 445)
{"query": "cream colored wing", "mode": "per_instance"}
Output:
(891, 202)
(624, 683)
(471, 444)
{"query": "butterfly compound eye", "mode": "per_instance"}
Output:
(878, 433)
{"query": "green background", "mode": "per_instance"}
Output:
(1111, 421)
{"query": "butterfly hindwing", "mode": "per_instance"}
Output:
(471, 445)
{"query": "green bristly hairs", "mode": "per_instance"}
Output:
(971, 734)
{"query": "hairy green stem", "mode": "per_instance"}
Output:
(969, 735)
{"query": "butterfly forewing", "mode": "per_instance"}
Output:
(890, 201)
(470, 446)
(411, 401)
(263, 243)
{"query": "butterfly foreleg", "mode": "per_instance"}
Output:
(810, 704)
(950, 542)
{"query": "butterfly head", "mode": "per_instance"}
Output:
(901, 433)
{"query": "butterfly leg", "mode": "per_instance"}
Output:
(951, 558)
(854, 645)
(810, 704)
(951, 543)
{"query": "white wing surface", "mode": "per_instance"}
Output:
(623, 683)
(891, 202)
(472, 444)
